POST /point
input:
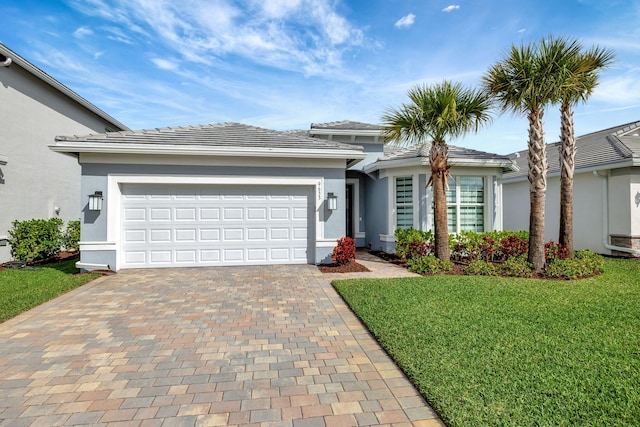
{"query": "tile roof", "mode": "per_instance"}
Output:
(619, 145)
(394, 152)
(395, 156)
(346, 125)
(229, 135)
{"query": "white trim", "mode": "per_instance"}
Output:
(188, 160)
(360, 235)
(326, 243)
(90, 266)
(97, 246)
(203, 150)
(355, 214)
(387, 238)
(114, 196)
(382, 165)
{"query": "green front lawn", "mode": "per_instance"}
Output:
(22, 289)
(489, 351)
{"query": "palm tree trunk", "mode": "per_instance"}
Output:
(537, 189)
(567, 164)
(438, 157)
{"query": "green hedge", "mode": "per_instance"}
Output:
(36, 239)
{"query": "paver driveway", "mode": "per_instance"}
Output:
(264, 346)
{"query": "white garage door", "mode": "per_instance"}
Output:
(209, 225)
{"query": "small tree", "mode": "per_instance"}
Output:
(439, 112)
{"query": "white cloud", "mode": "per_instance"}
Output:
(165, 64)
(451, 8)
(623, 90)
(405, 21)
(302, 35)
(522, 30)
(82, 32)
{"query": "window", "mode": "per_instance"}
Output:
(465, 204)
(404, 202)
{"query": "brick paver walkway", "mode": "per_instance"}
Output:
(261, 346)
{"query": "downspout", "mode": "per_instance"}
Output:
(605, 217)
(6, 62)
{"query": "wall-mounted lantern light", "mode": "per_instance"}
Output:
(332, 202)
(95, 201)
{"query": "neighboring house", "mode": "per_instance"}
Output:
(232, 194)
(34, 108)
(606, 195)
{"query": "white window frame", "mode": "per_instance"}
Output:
(410, 204)
(458, 203)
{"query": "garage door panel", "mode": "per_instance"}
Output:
(209, 256)
(209, 214)
(279, 213)
(191, 225)
(256, 214)
(185, 214)
(135, 214)
(209, 235)
(186, 235)
(229, 214)
(160, 214)
(135, 236)
(160, 256)
(186, 256)
(162, 235)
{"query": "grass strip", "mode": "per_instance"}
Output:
(23, 289)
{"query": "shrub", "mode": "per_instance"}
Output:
(513, 246)
(553, 251)
(481, 268)
(516, 266)
(584, 263)
(345, 251)
(411, 242)
(71, 236)
(429, 265)
(468, 246)
(35, 239)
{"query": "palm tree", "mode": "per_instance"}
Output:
(578, 76)
(523, 82)
(438, 112)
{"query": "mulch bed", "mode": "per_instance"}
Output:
(351, 267)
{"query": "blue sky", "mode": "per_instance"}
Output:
(284, 64)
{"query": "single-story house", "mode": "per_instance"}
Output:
(606, 194)
(34, 181)
(233, 194)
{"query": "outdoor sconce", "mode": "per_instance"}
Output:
(95, 201)
(332, 202)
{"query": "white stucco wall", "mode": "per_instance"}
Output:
(36, 179)
(635, 203)
(589, 208)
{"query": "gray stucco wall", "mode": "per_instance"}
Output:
(35, 179)
(95, 178)
(377, 212)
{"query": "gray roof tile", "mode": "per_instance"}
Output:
(394, 152)
(601, 148)
(347, 125)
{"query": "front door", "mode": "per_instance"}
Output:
(349, 210)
